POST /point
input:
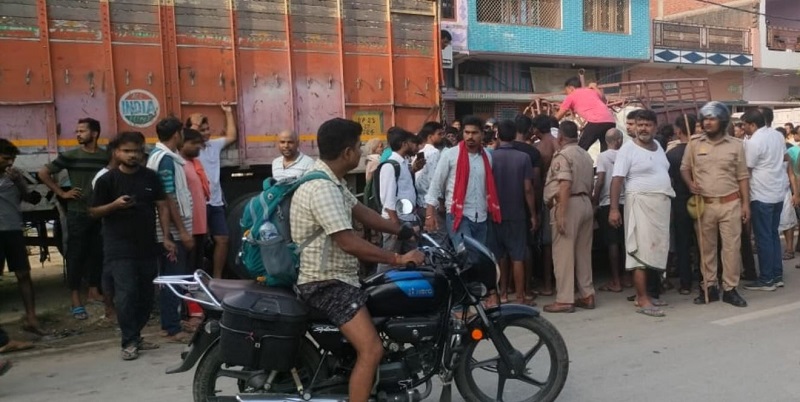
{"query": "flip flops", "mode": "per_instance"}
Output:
(607, 288)
(79, 313)
(651, 311)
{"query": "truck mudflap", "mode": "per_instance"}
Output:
(205, 337)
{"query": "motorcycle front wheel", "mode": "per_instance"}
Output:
(481, 376)
(215, 381)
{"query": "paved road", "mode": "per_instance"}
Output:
(714, 352)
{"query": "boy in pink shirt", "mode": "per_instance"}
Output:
(589, 104)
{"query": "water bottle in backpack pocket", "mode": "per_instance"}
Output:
(267, 249)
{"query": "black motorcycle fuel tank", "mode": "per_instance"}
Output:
(406, 292)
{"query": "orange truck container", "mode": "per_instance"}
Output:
(283, 64)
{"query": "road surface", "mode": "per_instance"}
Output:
(715, 352)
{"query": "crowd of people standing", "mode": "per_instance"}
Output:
(656, 199)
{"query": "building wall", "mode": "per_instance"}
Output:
(784, 8)
(762, 86)
(724, 85)
(504, 76)
(773, 59)
(670, 7)
(570, 40)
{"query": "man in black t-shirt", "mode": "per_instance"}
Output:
(126, 199)
(524, 126)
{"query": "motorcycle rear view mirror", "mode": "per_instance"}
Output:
(404, 207)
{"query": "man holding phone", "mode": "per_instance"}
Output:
(394, 187)
(126, 199)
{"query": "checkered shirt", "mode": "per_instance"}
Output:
(327, 205)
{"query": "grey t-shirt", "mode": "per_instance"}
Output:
(10, 198)
(511, 168)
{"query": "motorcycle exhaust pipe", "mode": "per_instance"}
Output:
(290, 398)
(410, 397)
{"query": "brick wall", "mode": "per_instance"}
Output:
(570, 40)
(679, 6)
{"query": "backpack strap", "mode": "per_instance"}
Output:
(377, 178)
(312, 175)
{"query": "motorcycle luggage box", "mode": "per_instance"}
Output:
(262, 329)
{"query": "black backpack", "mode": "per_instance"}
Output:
(372, 192)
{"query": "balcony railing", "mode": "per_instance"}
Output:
(676, 35)
(779, 38)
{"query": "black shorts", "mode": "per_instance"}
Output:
(217, 224)
(13, 251)
(512, 239)
(609, 234)
(337, 300)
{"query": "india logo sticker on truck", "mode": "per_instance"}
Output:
(139, 108)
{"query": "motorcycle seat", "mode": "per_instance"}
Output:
(223, 287)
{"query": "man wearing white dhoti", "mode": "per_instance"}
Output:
(643, 169)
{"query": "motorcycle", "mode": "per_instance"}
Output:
(430, 318)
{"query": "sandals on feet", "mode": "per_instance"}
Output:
(130, 353)
(788, 255)
(608, 288)
(79, 313)
(651, 311)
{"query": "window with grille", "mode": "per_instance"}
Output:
(448, 9)
(541, 13)
(606, 15)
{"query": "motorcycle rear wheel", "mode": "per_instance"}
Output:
(547, 337)
(210, 368)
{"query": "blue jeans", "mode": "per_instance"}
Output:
(475, 230)
(170, 304)
(766, 218)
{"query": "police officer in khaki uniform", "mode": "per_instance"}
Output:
(567, 193)
(714, 168)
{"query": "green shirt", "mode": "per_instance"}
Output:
(81, 168)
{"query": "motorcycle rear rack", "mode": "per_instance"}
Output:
(192, 284)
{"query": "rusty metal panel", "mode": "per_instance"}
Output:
(413, 34)
(324, 59)
(18, 19)
(134, 21)
(202, 22)
(365, 23)
(314, 23)
(261, 23)
(74, 20)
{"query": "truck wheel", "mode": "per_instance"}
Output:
(235, 235)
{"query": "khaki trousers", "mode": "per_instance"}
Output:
(572, 252)
(724, 220)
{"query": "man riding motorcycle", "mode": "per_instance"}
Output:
(328, 279)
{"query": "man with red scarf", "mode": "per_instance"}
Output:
(463, 177)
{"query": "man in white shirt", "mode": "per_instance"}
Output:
(765, 152)
(210, 158)
(292, 163)
(643, 169)
(463, 177)
(432, 135)
(393, 187)
(614, 238)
